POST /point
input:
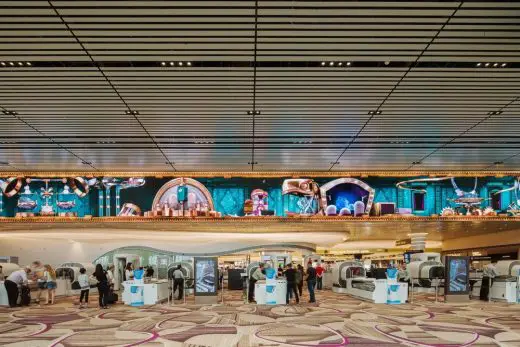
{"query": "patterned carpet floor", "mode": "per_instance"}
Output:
(336, 320)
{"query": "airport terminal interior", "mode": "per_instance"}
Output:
(259, 173)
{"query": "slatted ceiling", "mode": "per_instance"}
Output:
(310, 115)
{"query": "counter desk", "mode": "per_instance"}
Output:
(279, 293)
(152, 292)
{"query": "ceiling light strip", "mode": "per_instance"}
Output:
(134, 114)
(398, 83)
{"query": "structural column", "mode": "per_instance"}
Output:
(418, 241)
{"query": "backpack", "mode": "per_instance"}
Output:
(298, 277)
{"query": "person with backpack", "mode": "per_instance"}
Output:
(299, 279)
(85, 287)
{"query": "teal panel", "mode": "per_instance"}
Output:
(229, 201)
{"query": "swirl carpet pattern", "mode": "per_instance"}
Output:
(336, 320)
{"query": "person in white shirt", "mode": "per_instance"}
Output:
(129, 272)
(15, 280)
(490, 272)
(178, 281)
(110, 275)
(85, 287)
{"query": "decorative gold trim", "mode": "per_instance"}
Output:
(183, 180)
(262, 174)
(255, 219)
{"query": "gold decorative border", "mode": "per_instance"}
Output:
(256, 220)
(262, 174)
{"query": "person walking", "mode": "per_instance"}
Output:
(85, 287)
(319, 276)
(178, 282)
(301, 277)
(310, 277)
(256, 276)
(290, 275)
(13, 283)
(103, 287)
(50, 279)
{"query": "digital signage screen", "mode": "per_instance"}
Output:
(206, 276)
(457, 275)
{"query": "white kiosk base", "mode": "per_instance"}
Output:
(280, 292)
(153, 292)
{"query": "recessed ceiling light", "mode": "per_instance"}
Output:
(498, 163)
(180, 63)
(11, 63)
(331, 63)
(416, 163)
(487, 64)
(495, 64)
(86, 163)
(334, 163)
(479, 64)
(504, 64)
(188, 63)
(20, 63)
(163, 63)
(172, 63)
(252, 162)
(348, 63)
(3, 63)
(387, 63)
(340, 63)
(322, 63)
(378, 112)
(28, 63)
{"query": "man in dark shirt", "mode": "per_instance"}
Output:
(311, 281)
(290, 275)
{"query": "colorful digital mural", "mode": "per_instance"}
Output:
(105, 196)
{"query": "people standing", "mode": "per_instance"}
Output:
(50, 278)
(256, 276)
(301, 271)
(311, 282)
(85, 287)
(103, 287)
(290, 275)
(129, 272)
(13, 284)
(37, 275)
(178, 282)
(319, 276)
(110, 275)
(490, 272)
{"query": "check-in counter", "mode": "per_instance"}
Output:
(152, 293)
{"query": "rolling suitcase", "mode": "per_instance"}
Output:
(25, 296)
(112, 298)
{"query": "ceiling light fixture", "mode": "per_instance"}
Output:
(495, 64)
(86, 162)
(331, 63)
(28, 63)
(20, 63)
(11, 63)
(180, 63)
(348, 63)
(494, 113)
(416, 163)
(3, 63)
(10, 113)
(504, 65)
(479, 64)
(498, 163)
(487, 64)
(253, 112)
(132, 112)
(172, 63)
(188, 63)
(322, 63)
(334, 163)
(163, 63)
(340, 63)
(169, 163)
(371, 113)
(252, 162)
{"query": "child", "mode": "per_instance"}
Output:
(85, 286)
